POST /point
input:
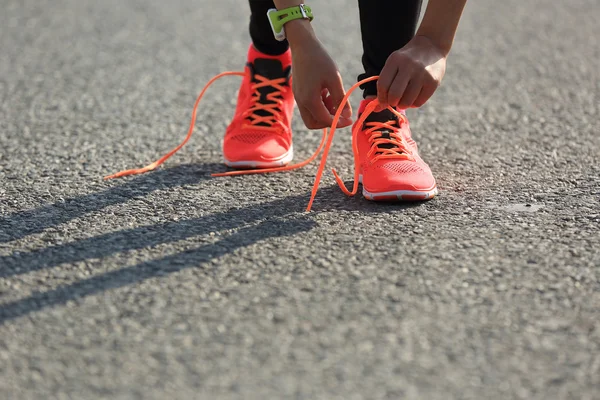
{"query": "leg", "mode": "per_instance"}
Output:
(389, 160)
(386, 26)
(260, 29)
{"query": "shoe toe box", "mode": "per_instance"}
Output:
(398, 176)
(255, 146)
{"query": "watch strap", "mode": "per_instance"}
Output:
(278, 18)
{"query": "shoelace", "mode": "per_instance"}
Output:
(374, 132)
(398, 151)
(164, 158)
(395, 146)
(272, 109)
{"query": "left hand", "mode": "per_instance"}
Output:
(411, 75)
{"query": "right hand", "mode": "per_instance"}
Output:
(317, 83)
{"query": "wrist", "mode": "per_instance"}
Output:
(299, 32)
(291, 20)
(441, 44)
(440, 23)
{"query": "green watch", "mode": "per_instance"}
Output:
(278, 18)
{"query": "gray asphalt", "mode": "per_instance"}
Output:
(175, 285)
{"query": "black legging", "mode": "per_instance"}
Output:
(386, 26)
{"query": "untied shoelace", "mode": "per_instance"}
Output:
(327, 139)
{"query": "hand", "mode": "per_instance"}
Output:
(317, 84)
(411, 75)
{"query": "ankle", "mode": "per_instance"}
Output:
(271, 51)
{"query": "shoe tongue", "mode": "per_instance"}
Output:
(384, 116)
(270, 69)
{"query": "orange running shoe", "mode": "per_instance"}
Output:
(390, 166)
(260, 134)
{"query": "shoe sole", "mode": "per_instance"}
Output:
(253, 164)
(400, 195)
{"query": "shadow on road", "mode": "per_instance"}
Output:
(255, 223)
(193, 258)
(25, 223)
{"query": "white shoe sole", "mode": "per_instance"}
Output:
(285, 160)
(399, 195)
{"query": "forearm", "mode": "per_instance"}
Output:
(281, 4)
(440, 22)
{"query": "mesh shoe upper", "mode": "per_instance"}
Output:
(389, 157)
(260, 130)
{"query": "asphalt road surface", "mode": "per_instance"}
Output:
(176, 285)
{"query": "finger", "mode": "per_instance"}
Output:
(316, 113)
(412, 91)
(387, 76)
(311, 123)
(319, 112)
(426, 93)
(328, 101)
(344, 122)
(397, 89)
(307, 118)
(337, 94)
(332, 107)
(347, 111)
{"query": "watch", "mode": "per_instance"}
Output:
(278, 18)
